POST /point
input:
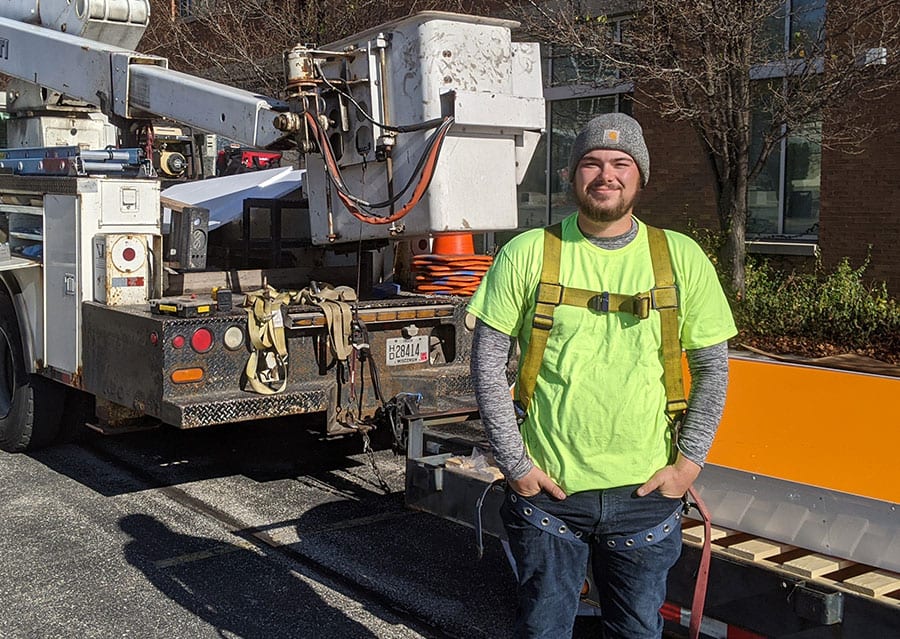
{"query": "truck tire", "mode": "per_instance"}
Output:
(30, 405)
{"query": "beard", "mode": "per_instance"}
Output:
(604, 212)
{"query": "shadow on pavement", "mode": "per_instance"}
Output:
(264, 451)
(232, 586)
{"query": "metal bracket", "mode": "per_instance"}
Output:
(820, 606)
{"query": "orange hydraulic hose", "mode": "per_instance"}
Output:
(421, 185)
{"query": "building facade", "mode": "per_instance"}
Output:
(807, 202)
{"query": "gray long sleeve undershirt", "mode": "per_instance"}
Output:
(490, 352)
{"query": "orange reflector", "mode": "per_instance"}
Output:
(184, 375)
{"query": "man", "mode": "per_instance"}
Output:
(593, 470)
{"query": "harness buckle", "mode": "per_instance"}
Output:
(542, 322)
(600, 303)
(664, 297)
(640, 306)
(520, 411)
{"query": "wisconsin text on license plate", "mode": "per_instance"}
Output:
(413, 350)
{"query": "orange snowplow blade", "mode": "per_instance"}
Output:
(823, 427)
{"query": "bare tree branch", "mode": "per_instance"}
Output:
(718, 64)
(241, 42)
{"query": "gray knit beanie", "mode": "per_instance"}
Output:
(615, 131)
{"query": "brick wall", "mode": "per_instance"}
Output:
(861, 203)
(860, 193)
(680, 189)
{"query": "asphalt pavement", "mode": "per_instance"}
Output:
(254, 531)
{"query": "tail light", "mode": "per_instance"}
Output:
(202, 340)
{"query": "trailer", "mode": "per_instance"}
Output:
(805, 534)
(113, 306)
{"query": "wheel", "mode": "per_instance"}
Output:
(30, 405)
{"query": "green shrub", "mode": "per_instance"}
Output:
(838, 308)
(816, 313)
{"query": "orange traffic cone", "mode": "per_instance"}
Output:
(453, 244)
(452, 268)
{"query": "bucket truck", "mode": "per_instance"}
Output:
(106, 303)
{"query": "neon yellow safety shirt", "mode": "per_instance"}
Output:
(597, 418)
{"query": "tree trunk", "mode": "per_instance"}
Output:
(732, 208)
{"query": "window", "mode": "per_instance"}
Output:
(567, 118)
(798, 29)
(189, 10)
(783, 199)
(544, 194)
(565, 68)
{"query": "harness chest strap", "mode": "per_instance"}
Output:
(663, 297)
(664, 278)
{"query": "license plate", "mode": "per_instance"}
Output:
(413, 350)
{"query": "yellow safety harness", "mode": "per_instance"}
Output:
(663, 297)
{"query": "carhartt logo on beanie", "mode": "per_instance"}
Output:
(615, 131)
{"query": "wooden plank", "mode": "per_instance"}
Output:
(813, 566)
(874, 583)
(464, 466)
(757, 549)
(173, 204)
(694, 534)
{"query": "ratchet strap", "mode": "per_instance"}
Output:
(267, 367)
(266, 371)
(335, 304)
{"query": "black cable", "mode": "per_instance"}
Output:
(376, 382)
(339, 182)
(409, 128)
(337, 179)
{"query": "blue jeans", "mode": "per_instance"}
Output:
(551, 571)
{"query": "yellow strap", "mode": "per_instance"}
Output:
(267, 366)
(676, 403)
(549, 296)
(663, 297)
(338, 316)
(266, 369)
(607, 302)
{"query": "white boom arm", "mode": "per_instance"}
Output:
(117, 22)
(436, 113)
(128, 84)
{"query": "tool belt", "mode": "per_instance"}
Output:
(555, 526)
